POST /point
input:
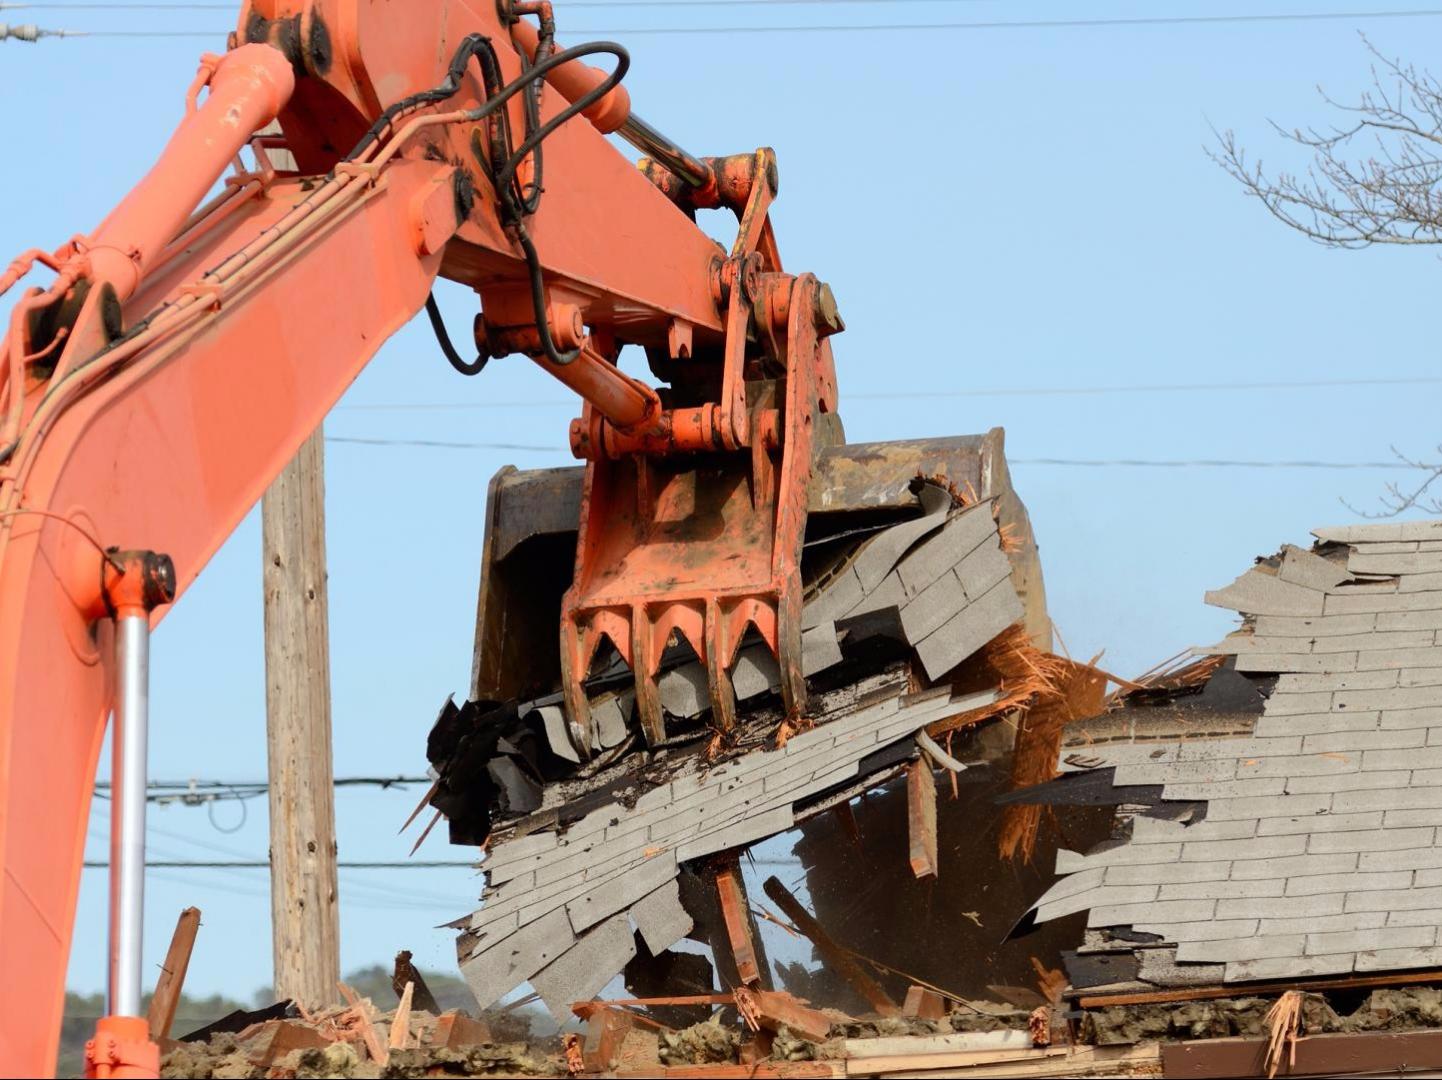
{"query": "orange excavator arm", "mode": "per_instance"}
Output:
(181, 355)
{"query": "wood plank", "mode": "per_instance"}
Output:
(454, 1030)
(775, 1008)
(834, 956)
(770, 1070)
(1084, 1061)
(736, 914)
(279, 1038)
(960, 1042)
(305, 924)
(924, 1004)
(920, 1064)
(921, 818)
(172, 974)
(1316, 1055)
(1276, 986)
(401, 1022)
(361, 1010)
(606, 1030)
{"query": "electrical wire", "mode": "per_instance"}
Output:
(441, 444)
(1028, 24)
(358, 891)
(917, 395)
(196, 792)
(872, 28)
(1211, 463)
(264, 864)
(567, 3)
(1205, 463)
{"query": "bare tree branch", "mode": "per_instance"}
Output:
(1376, 179)
(1398, 499)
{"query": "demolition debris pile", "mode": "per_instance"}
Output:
(1246, 840)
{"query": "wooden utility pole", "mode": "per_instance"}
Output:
(305, 925)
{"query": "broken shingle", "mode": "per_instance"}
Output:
(968, 630)
(1303, 845)
(660, 919)
(581, 971)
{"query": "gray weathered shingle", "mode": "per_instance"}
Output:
(1320, 849)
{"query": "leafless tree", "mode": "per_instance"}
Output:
(1375, 178)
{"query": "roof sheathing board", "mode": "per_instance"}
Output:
(1316, 849)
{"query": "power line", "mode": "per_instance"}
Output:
(568, 4)
(264, 864)
(1205, 463)
(439, 443)
(1026, 24)
(871, 28)
(1018, 391)
(198, 792)
(1212, 464)
(260, 864)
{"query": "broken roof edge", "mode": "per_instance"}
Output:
(1310, 846)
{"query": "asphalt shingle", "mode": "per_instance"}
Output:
(1320, 846)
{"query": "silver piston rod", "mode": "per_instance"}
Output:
(129, 770)
(135, 584)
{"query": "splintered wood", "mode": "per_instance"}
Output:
(360, 1014)
(401, 1023)
(836, 958)
(921, 818)
(172, 974)
(1076, 693)
(735, 912)
(769, 1010)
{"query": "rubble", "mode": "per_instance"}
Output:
(334, 1042)
(585, 844)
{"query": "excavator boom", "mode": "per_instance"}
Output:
(182, 353)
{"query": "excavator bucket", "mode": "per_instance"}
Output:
(854, 490)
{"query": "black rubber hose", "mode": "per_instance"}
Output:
(518, 205)
(516, 210)
(474, 367)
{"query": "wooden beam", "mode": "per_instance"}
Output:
(736, 915)
(455, 1029)
(360, 1010)
(303, 889)
(924, 1004)
(1210, 993)
(921, 817)
(1371, 1053)
(400, 1034)
(835, 957)
(605, 1032)
(775, 1008)
(172, 974)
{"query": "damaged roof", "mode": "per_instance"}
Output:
(1310, 845)
(596, 856)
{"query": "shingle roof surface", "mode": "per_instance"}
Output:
(1318, 845)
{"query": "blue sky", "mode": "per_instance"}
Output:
(997, 210)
